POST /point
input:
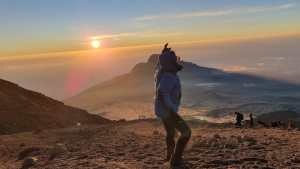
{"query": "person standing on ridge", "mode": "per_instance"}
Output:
(251, 120)
(167, 102)
(239, 117)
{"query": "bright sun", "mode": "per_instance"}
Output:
(95, 43)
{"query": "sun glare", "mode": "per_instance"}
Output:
(95, 44)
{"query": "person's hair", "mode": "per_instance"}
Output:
(172, 53)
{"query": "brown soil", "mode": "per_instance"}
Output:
(140, 144)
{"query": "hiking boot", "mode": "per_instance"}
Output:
(179, 164)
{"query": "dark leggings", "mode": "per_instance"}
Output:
(172, 123)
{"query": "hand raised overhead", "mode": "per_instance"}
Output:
(166, 49)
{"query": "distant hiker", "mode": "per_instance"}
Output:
(239, 117)
(291, 124)
(251, 120)
(167, 101)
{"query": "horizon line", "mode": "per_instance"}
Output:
(206, 41)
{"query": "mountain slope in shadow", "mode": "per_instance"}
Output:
(25, 110)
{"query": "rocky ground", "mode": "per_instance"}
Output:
(140, 144)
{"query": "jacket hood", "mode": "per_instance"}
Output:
(168, 62)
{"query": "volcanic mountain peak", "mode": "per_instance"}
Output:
(204, 88)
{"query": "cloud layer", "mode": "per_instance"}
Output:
(215, 13)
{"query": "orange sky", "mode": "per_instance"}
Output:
(32, 28)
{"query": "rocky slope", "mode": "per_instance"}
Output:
(255, 108)
(25, 110)
(282, 116)
(141, 145)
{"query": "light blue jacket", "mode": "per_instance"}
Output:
(168, 93)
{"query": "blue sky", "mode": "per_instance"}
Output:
(34, 26)
(44, 43)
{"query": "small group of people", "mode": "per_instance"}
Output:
(239, 117)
